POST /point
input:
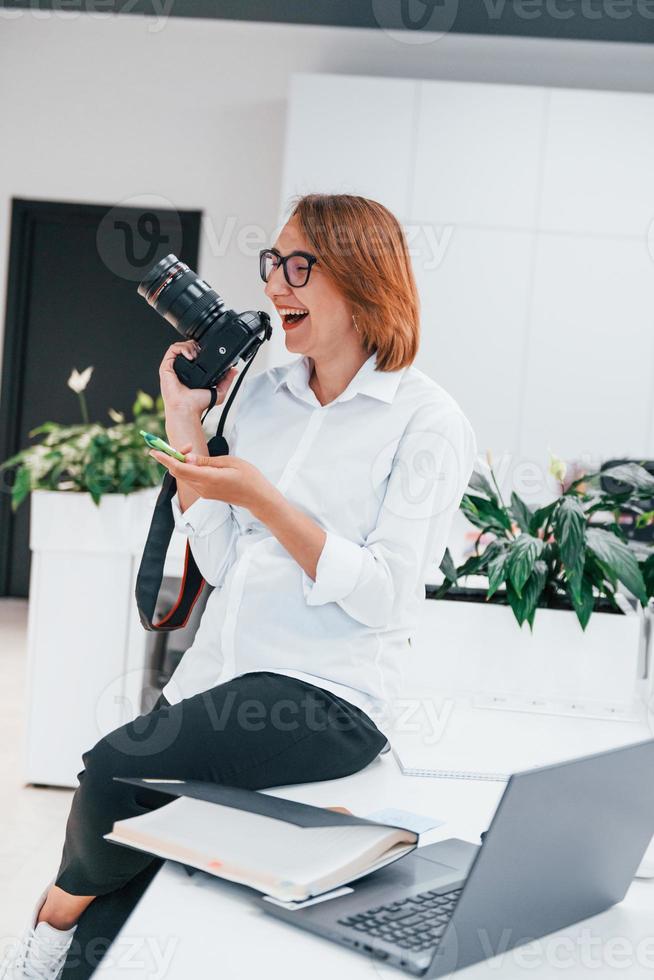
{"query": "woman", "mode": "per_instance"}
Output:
(345, 469)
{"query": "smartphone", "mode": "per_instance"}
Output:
(154, 442)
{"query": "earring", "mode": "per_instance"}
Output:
(356, 325)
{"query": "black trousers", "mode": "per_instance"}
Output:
(258, 730)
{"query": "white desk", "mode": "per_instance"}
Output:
(195, 927)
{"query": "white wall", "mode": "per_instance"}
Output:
(528, 211)
(106, 109)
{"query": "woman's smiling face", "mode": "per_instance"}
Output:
(328, 320)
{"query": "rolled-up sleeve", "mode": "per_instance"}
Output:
(211, 529)
(338, 571)
(203, 517)
(373, 580)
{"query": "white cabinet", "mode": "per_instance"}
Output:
(477, 649)
(86, 648)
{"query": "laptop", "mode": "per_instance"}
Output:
(563, 845)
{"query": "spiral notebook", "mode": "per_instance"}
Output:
(488, 744)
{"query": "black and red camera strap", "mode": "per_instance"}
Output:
(162, 526)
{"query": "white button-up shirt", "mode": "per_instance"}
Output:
(382, 468)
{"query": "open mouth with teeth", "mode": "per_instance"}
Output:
(292, 315)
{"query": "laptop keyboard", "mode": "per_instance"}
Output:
(415, 923)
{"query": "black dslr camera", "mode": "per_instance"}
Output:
(198, 313)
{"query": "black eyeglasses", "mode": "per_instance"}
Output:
(297, 265)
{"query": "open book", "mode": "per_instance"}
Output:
(284, 849)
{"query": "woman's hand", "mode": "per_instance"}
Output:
(178, 399)
(226, 478)
(239, 483)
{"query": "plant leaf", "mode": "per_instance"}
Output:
(496, 573)
(540, 517)
(485, 514)
(522, 554)
(479, 483)
(604, 582)
(524, 606)
(515, 603)
(521, 512)
(647, 570)
(447, 567)
(570, 533)
(617, 559)
(632, 474)
(13, 460)
(583, 601)
(532, 591)
(46, 427)
(442, 589)
(21, 488)
(479, 563)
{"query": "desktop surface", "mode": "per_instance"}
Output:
(195, 925)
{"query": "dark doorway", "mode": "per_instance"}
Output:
(72, 302)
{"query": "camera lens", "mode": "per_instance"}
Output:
(181, 297)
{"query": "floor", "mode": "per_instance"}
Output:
(32, 821)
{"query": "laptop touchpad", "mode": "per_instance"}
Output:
(436, 865)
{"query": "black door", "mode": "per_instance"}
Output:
(72, 302)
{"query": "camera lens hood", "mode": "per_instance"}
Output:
(153, 282)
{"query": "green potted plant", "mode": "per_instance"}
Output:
(571, 553)
(92, 489)
(567, 570)
(90, 457)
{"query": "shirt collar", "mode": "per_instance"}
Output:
(367, 381)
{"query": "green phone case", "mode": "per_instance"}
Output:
(154, 442)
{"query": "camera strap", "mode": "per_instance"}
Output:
(162, 526)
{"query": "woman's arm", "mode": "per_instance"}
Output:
(184, 431)
(296, 531)
(235, 481)
(183, 409)
(369, 581)
(203, 482)
(430, 473)
(212, 530)
(373, 581)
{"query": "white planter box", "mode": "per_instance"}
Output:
(86, 648)
(477, 649)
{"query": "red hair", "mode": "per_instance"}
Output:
(362, 248)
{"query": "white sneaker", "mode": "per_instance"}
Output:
(41, 952)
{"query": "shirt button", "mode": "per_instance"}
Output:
(249, 530)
